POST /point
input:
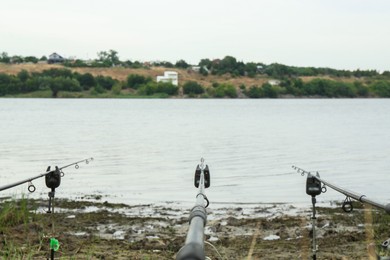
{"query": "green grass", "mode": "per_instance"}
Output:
(14, 213)
(85, 94)
(35, 94)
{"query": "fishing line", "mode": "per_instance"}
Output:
(215, 249)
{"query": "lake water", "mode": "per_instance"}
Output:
(146, 150)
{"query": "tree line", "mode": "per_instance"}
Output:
(57, 80)
(227, 65)
(321, 88)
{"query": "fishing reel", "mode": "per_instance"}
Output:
(206, 173)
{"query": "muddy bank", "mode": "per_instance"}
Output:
(101, 230)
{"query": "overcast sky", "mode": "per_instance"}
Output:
(342, 34)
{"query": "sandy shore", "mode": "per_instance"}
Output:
(101, 230)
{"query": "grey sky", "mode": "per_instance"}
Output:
(342, 34)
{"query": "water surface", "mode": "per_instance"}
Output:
(146, 150)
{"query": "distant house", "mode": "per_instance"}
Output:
(195, 68)
(199, 69)
(55, 58)
(274, 82)
(169, 76)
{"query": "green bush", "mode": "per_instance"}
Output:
(57, 73)
(161, 87)
(225, 90)
(117, 88)
(9, 84)
(105, 82)
(265, 91)
(135, 81)
(63, 84)
(192, 87)
(381, 88)
(254, 92)
(86, 81)
(181, 64)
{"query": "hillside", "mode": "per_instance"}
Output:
(54, 80)
(121, 74)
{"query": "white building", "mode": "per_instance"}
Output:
(274, 82)
(169, 76)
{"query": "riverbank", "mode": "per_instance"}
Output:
(28, 80)
(101, 230)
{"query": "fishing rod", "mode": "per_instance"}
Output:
(347, 204)
(31, 188)
(315, 185)
(53, 181)
(193, 248)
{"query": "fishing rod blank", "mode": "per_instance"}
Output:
(347, 205)
(31, 187)
(314, 188)
(193, 248)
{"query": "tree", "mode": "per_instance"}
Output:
(135, 81)
(181, 64)
(117, 88)
(224, 90)
(167, 88)
(205, 63)
(268, 91)
(5, 58)
(251, 69)
(23, 75)
(192, 87)
(254, 92)
(86, 81)
(63, 84)
(17, 59)
(204, 71)
(109, 58)
(361, 90)
(31, 59)
(105, 82)
(161, 87)
(226, 65)
(54, 72)
(381, 88)
(36, 83)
